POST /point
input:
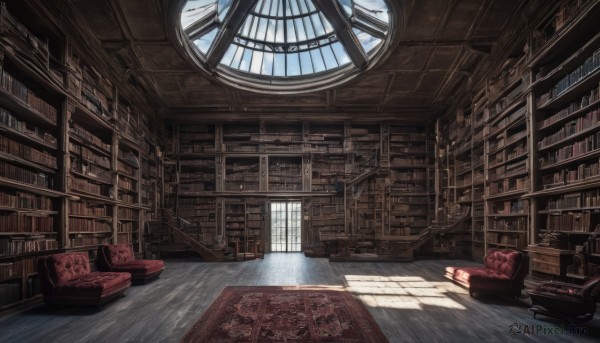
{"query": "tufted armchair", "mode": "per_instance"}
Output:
(120, 258)
(570, 302)
(66, 279)
(503, 272)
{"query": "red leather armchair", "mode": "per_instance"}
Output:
(503, 272)
(66, 280)
(566, 301)
(120, 258)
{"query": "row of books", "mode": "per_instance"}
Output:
(8, 119)
(85, 208)
(565, 201)
(89, 155)
(285, 178)
(409, 199)
(196, 148)
(591, 198)
(27, 96)
(240, 148)
(516, 206)
(290, 187)
(408, 137)
(508, 185)
(78, 225)
(567, 176)
(19, 174)
(407, 187)
(94, 100)
(26, 152)
(197, 187)
(127, 198)
(88, 137)
(592, 97)
(127, 213)
(275, 165)
(518, 150)
(23, 222)
(129, 156)
(577, 221)
(83, 185)
(584, 146)
(416, 175)
(506, 121)
(241, 186)
(507, 240)
(126, 227)
(9, 270)
(128, 184)
(586, 122)
(91, 170)
(127, 170)
(87, 240)
(14, 246)
(21, 200)
(399, 162)
(509, 224)
(590, 65)
(277, 138)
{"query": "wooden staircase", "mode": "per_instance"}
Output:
(174, 225)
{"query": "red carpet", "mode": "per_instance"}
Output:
(285, 314)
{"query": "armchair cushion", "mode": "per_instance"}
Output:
(120, 258)
(503, 272)
(97, 284)
(66, 267)
(140, 267)
(66, 279)
(120, 253)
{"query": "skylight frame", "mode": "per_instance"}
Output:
(266, 78)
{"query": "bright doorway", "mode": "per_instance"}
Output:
(286, 226)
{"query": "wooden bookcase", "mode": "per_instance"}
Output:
(63, 128)
(506, 151)
(564, 100)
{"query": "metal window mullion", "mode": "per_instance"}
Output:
(298, 52)
(311, 25)
(323, 57)
(262, 6)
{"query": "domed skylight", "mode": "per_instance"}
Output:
(285, 43)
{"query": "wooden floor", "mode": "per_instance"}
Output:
(412, 302)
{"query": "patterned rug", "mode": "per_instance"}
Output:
(285, 314)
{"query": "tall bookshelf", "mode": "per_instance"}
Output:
(564, 68)
(506, 151)
(478, 167)
(411, 189)
(31, 170)
(61, 133)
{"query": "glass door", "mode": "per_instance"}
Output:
(286, 226)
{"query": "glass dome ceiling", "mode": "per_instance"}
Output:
(285, 42)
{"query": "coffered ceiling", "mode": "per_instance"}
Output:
(443, 47)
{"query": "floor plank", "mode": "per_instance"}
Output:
(412, 302)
